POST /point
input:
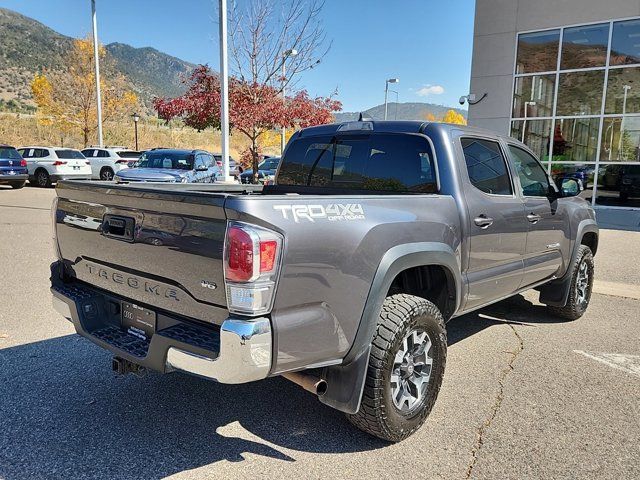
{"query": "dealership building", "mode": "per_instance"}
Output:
(563, 76)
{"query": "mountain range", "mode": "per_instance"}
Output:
(27, 47)
(400, 111)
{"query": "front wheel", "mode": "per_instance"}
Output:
(405, 371)
(582, 270)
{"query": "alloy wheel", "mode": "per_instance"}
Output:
(582, 283)
(411, 371)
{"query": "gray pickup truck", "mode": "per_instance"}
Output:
(340, 277)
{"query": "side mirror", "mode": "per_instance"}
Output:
(570, 187)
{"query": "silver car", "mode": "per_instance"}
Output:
(172, 166)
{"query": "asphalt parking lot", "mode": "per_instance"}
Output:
(525, 395)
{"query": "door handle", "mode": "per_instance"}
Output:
(483, 221)
(533, 218)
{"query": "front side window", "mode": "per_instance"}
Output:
(533, 179)
(383, 162)
(486, 166)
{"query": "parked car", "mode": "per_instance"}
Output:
(13, 168)
(629, 181)
(266, 168)
(235, 169)
(172, 166)
(107, 161)
(341, 276)
(47, 165)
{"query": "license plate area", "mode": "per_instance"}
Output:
(137, 320)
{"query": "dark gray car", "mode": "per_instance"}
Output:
(172, 166)
(340, 277)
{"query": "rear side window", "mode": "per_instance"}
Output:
(69, 154)
(103, 154)
(486, 166)
(384, 162)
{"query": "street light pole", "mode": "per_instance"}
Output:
(524, 122)
(386, 93)
(97, 68)
(136, 119)
(624, 112)
(286, 54)
(224, 91)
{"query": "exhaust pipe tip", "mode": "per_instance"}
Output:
(321, 387)
(315, 385)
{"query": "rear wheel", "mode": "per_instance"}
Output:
(406, 367)
(582, 270)
(106, 174)
(42, 178)
(17, 185)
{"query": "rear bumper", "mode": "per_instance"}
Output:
(13, 178)
(56, 177)
(239, 351)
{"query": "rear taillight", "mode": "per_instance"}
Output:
(122, 162)
(57, 163)
(251, 261)
(23, 163)
(88, 162)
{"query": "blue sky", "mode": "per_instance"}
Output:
(425, 43)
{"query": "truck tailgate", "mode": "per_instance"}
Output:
(156, 247)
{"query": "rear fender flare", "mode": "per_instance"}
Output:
(346, 381)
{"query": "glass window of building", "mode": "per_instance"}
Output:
(623, 91)
(625, 43)
(575, 140)
(619, 185)
(620, 139)
(537, 52)
(535, 92)
(580, 93)
(536, 134)
(584, 47)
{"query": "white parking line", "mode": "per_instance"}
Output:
(624, 362)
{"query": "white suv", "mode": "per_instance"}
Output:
(47, 165)
(107, 161)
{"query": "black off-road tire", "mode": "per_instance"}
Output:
(106, 174)
(575, 308)
(17, 185)
(42, 178)
(378, 415)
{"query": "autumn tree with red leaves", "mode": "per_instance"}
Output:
(253, 108)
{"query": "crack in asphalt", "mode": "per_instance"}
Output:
(495, 407)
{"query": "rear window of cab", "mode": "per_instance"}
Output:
(378, 161)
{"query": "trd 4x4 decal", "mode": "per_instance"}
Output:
(333, 212)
